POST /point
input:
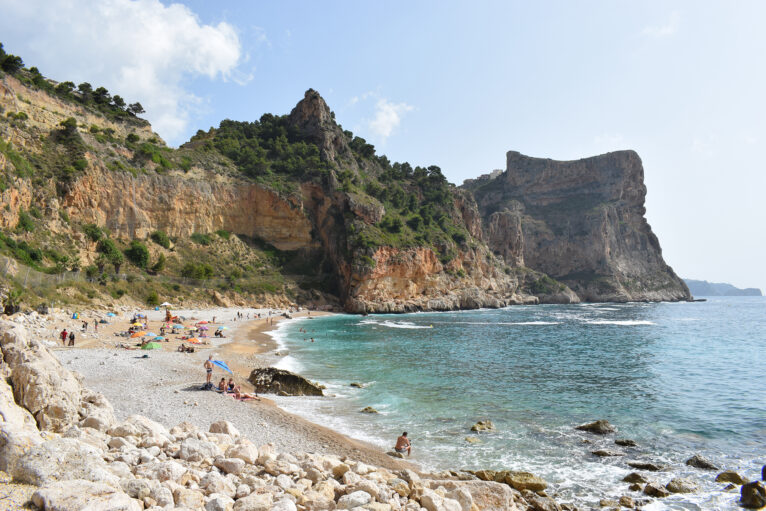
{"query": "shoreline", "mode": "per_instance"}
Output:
(246, 347)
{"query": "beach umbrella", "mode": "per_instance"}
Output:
(203, 327)
(111, 314)
(139, 315)
(203, 322)
(151, 346)
(159, 338)
(151, 334)
(222, 328)
(137, 334)
(177, 327)
(165, 304)
(137, 324)
(194, 340)
(222, 365)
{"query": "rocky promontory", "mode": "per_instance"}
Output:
(581, 222)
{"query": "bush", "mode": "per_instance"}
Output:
(132, 138)
(26, 223)
(223, 234)
(152, 299)
(93, 232)
(138, 254)
(201, 239)
(199, 271)
(91, 271)
(160, 264)
(161, 239)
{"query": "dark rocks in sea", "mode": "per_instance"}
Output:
(603, 453)
(278, 381)
(625, 442)
(681, 485)
(645, 465)
(627, 502)
(655, 490)
(634, 477)
(635, 487)
(698, 461)
(368, 409)
(730, 476)
(356, 385)
(599, 427)
(763, 473)
(753, 495)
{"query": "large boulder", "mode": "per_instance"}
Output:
(599, 427)
(681, 485)
(487, 495)
(485, 425)
(196, 450)
(62, 459)
(525, 481)
(18, 430)
(753, 495)
(83, 496)
(278, 381)
(244, 450)
(730, 476)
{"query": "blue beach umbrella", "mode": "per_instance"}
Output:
(222, 365)
(159, 338)
(111, 314)
(178, 327)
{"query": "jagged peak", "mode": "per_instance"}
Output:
(314, 120)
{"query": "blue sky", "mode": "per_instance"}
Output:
(458, 84)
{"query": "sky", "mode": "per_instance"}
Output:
(458, 84)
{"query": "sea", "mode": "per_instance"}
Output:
(677, 378)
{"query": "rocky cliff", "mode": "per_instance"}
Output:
(297, 208)
(581, 222)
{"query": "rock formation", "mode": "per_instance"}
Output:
(279, 381)
(581, 222)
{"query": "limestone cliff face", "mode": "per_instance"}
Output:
(581, 222)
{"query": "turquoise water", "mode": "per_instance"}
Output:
(678, 378)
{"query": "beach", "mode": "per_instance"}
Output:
(165, 387)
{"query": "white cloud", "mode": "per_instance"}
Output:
(666, 29)
(140, 49)
(388, 116)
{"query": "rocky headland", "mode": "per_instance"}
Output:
(581, 222)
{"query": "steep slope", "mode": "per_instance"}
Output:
(581, 222)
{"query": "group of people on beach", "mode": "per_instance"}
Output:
(226, 387)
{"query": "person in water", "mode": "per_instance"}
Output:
(403, 444)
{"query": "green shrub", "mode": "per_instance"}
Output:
(199, 271)
(93, 232)
(26, 223)
(152, 299)
(132, 138)
(160, 264)
(223, 234)
(91, 271)
(161, 239)
(35, 212)
(201, 239)
(138, 254)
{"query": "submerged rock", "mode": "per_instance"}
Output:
(599, 427)
(368, 409)
(625, 442)
(645, 465)
(472, 439)
(606, 453)
(698, 461)
(276, 381)
(634, 477)
(486, 425)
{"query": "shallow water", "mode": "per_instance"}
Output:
(678, 378)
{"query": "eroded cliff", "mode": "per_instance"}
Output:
(581, 222)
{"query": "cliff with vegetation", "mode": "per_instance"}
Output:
(581, 222)
(285, 209)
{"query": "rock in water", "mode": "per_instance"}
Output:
(698, 461)
(625, 442)
(655, 490)
(525, 481)
(645, 465)
(634, 477)
(605, 453)
(600, 427)
(730, 476)
(681, 485)
(273, 380)
(483, 426)
(753, 495)
(368, 409)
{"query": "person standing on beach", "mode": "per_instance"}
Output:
(403, 444)
(71, 338)
(209, 369)
(63, 336)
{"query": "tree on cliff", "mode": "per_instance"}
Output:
(135, 108)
